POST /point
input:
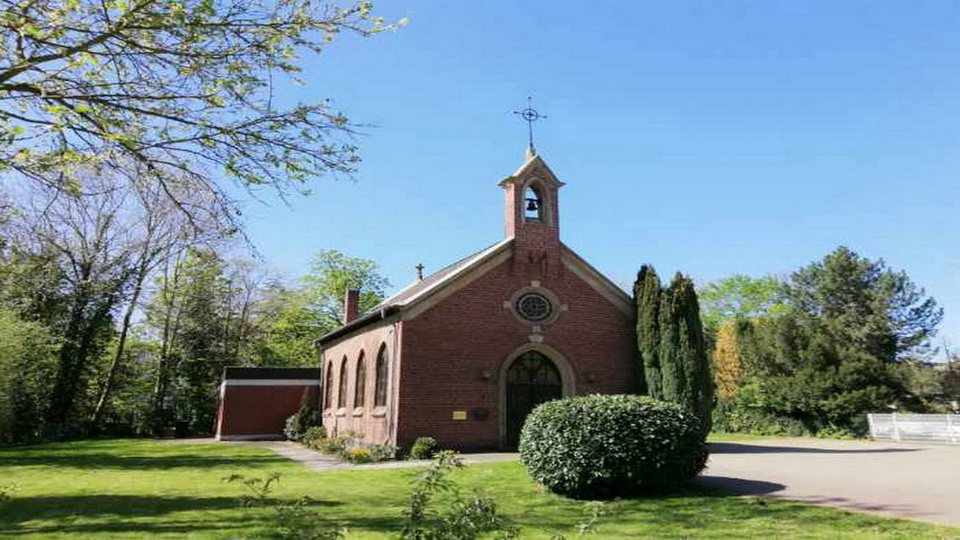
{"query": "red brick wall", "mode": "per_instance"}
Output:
(259, 410)
(376, 425)
(448, 348)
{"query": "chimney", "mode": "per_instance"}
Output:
(351, 305)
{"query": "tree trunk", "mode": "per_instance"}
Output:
(121, 343)
(169, 331)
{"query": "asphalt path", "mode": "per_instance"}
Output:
(912, 481)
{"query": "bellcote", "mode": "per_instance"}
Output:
(531, 201)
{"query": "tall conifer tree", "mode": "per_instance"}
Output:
(646, 293)
(671, 370)
(697, 384)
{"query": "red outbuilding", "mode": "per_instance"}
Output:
(255, 402)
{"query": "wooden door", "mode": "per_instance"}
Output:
(531, 380)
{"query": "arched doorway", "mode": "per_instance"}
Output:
(531, 379)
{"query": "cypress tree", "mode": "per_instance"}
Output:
(646, 294)
(696, 393)
(671, 370)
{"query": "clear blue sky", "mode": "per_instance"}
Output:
(708, 137)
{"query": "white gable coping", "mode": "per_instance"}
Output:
(465, 267)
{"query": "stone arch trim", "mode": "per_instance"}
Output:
(564, 366)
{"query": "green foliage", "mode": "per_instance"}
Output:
(796, 372)
(300, 422)
(424, 448)
(195, 314)
(646, 293)
(331, 274)
(672, 345)
(183, 88)
(358, 455)
(313, 434)
(290, 318)
(744, 297)
(601, 446)
(347, 447)
(698, 392)
(839, 352)
(333, 446)
(463, 519)
(672, 374)
(6, 493)
(292, 520)
(733, 414)
(382, 452)
(28, 365)
(866, 305)
(950, 382)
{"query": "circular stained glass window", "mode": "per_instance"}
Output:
(534, 307)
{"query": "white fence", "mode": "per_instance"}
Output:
(929, 428)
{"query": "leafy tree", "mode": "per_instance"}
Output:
(157, 230)
(291, 318)
(67, 266)
(799, 370)
(726, 357)
(182, 88)
(742, 296)
(646, 293)
(866, 304)
(331, 274)
(196, 316)
(28, 366)
(284, 328)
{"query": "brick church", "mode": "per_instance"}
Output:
(463, 355)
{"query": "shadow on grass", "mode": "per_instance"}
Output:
(119, 513)
(114, 461)
(734, 448)
(723, 486)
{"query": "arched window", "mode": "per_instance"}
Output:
(533, 204)
(342, 395)
(383, 371)
(360, 383)
(328, 387)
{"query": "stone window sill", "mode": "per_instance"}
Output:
(379, 411)
(342, 411)
(358, 411)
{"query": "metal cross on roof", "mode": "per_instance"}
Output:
(530, 115)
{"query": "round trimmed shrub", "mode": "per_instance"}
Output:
(607, 446)
(424, 448)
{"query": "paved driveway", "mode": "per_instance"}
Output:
(904, 480)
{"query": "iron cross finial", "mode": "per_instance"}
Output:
(420, 268)
(530, 115)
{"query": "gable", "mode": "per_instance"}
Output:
(578, 266)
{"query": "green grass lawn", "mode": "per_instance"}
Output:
(125, 489)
